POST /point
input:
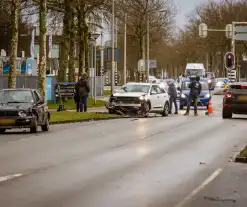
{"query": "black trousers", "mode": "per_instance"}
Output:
(81, 104)
(190, 100)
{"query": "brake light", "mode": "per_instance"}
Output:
(243, 86)
(228, 95)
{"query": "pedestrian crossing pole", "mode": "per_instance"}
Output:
(107, 80)
(116, 78)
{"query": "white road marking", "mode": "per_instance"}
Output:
(9, 177)
(199, 188)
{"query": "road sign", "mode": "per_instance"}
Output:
(152, 64)
(241, 36)
(229, 61)
(241, 29)
(203, 30)
(229, 31)
(232, 75)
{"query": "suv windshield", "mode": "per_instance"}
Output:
(135, 88)
(192, 72)
(185, 85)
(18, 96)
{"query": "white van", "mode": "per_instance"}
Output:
(195, 69)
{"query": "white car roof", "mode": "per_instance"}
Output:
(135, 83)
(195, 66)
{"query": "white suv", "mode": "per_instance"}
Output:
(139, 99)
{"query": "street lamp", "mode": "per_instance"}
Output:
(147, 19)
(113, 50)
(93, 39)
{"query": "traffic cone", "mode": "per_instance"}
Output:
(210, 108)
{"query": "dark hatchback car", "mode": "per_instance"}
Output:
(235, 100)
(23, 108)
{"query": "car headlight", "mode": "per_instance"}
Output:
(22, 114)
(183, 96)
(207, 96)
(142, 98)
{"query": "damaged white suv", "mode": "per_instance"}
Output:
(139, 99)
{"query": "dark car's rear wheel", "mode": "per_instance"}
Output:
(226, 113)
(34, 128)
(46, 126)
(2, 130)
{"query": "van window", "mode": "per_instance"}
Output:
(194, 72)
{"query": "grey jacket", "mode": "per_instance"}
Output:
(172, 91)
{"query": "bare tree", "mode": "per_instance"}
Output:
(15, 9)
(42, 48)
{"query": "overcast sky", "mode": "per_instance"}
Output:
(184, 7)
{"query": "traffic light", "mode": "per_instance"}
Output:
(229, 61)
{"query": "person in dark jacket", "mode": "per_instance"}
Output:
(195, 90)
(82, 90)
(172, 91)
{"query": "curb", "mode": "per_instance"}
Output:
(85, 120)
(240, 159)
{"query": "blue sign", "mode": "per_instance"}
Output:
(109, 54)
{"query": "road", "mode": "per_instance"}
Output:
(152, 162)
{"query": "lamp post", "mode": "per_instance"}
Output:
(125, 47)
(94, 38)
(148, 42)
(113, 50)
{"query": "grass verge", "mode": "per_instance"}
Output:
(77, 116)
(107, 92)
(70, 104)
(243, 153)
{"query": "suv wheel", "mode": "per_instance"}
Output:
(165, 109)
(2, 131)
(34, 128)
(226, 113)
(46, 126)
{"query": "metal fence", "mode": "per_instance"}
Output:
(32, 82)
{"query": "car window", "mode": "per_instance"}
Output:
(36, 96)
(135, 88)
(14, 96)
(155, 89)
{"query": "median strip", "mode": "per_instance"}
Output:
(70, 117)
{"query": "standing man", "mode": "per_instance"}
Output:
(195, 90)
(82, 90)
(172, 91)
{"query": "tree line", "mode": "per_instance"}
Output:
(189, 47)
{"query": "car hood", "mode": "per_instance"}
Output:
(128, 94)
(203, 93)
(15, 106)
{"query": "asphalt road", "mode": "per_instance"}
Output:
(152, 162)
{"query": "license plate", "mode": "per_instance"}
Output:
(7, 122)
(242, 98)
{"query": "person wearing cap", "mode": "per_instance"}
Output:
(82, 90)
(195, 90)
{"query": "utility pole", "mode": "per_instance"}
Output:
(125, 48)
(116, 45)
(102, 65)
(113, 50)
(148, 49)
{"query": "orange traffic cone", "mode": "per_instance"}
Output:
(210, 107)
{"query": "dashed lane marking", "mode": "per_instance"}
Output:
(199, 188)
(9, 177)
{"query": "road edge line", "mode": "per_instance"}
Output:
(199, 188)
